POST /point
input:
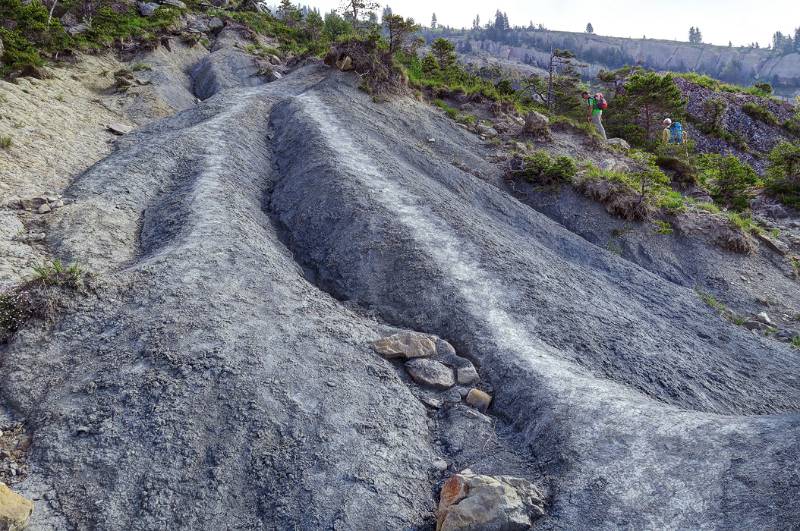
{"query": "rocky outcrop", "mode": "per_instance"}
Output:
(473, 502)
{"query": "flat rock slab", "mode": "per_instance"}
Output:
(119, 129)
(431, 373)
(405, 345)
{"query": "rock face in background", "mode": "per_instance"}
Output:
(735, 65)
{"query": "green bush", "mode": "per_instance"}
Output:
(539, 167)
(5, 141)
(730, 182)
(783, 173)
(760, 113)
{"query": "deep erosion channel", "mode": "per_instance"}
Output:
(645, 409)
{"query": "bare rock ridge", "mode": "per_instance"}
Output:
(307, 315)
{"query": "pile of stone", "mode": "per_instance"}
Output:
(41, 204)
(434, 364)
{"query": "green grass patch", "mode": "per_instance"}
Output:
(760, 113)
(6, 141)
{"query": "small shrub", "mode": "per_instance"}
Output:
(760, 113)
(711, 301)
(730, 182)
(663, 227)
(796, 342)
(5, 141)
(56, 274)
(743, 223)
(539, 167)
(671, 201)
(36, 297)
(783, 173)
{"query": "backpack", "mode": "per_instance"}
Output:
(600, 101)
(676, 133)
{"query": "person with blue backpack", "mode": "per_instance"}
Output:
(673, 132)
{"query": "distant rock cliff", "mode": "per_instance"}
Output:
(735, 65)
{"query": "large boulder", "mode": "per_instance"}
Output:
(14, 510)
(431, 373)
(405, 345)
(475, 502)
(537, 124)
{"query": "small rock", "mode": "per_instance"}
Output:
(479, 399)
(30, 237)
(470, 501)
(147, 9)
(440, 465)
(15, 511)
(429, 401)
(445, 349)
(344, 64)
(405, 345)
(274, 59)
(485, 130)
(44, 209)
(77, 29)
(466, 375)
(58, 204)
(764, 318)
(754, 325)
(215, 24)
(453, 396)
(174, 3)
(31, 204)
(119, 129)
(432, 140)
(431, 373)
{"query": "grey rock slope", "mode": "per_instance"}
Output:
(209, 380)
(644, 409)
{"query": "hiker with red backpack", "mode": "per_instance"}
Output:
(596, 105)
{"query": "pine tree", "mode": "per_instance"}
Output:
(499, 21)
(589, 28)
(506, 25)
(399, 30)
(354, 9)
(314, 24)
(433, 21)
(289, 13)
(444, 51)
(646, 99)
(797, 40)
(387, 12)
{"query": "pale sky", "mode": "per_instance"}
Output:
(740, 21)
